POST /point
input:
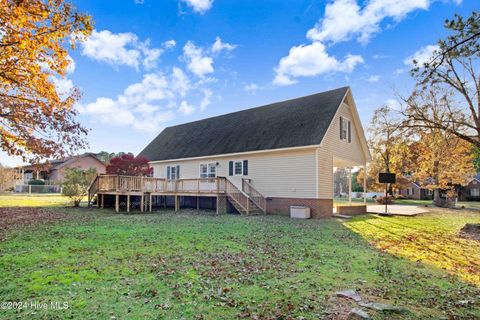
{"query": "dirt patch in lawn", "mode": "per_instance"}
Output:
(471, 231)
(16, 217)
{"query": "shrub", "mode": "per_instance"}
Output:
(389, 199)
(400, 197)
(36, 182)
(76, 183)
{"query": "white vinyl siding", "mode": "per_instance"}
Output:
(336, 152)
(275, 174)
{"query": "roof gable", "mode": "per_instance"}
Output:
(292, 123)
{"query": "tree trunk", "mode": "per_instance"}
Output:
(436, 195)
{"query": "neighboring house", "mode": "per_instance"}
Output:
(285, 151)
(54, 170)
(471, 191)
(415, 191)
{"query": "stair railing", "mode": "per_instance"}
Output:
(235, 194)
(256, 197)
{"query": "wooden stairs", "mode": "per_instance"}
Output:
(247, 201)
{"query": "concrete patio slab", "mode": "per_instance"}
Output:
(397, 210)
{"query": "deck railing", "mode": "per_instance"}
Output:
(119, 183)
(203, 186)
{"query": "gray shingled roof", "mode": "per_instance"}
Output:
(292, 123)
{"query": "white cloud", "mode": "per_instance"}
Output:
(169, 44)
(251, 87)
(422, 56)
(186, 109)
(206, 100)
(373, 78)
(345, 19)
(180, 82)
(311, 60)
(63, 85)
(120, 49)
(46, 61)
(141, 105)
(393, 104)
(197, 62)
(71, 64)
(150, 55)
(199, 6)
(148, 105)
(219, 46)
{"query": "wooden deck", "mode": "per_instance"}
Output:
(245, 201)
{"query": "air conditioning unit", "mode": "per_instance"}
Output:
(300, 212)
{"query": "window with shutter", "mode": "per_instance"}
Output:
(168, 173)
(178, 172)
(245, 167)
(230, 168)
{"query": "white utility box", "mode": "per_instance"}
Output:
(299, 212)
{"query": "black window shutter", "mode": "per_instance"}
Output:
(349, 131)
(168, 172)
(230, 168)
(178, 172)
(341, 128)
(245, 167)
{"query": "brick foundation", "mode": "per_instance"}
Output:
(319, 208)
(352, 210)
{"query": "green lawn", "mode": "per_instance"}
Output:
(461, 204)
(35, 200)
(199, 266)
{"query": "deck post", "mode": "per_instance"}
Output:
(128, 202)
(165, 202)
(89, 197)
(177, 204)
(150, 202)
(103, 201)
(98, 200)
(117, 205)
(141, 202)
(198, 203)
(365, 184)
(349, 186)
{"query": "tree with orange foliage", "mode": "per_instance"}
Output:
(37, 121)
(439, 159)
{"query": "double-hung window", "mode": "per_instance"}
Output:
(208, 170)
(173, 172)
(345, 129)
(238, 168)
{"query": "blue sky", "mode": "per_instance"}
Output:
(152, 64)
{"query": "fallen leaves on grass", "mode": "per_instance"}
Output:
(18, 217)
